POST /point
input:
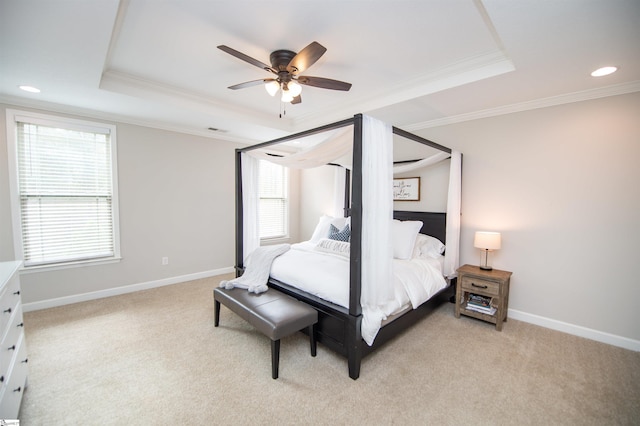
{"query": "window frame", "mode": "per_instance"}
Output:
(287, 202)
(12, 118)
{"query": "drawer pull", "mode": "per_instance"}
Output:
(1, 379)
(7, 311)
(20, 325)
(479, 286)
(26, 360)
(17, 293)
(18, 389)
(11, 348)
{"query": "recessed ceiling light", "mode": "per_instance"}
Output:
(604, 71)
(30, 89)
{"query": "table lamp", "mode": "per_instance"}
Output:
(487, 241)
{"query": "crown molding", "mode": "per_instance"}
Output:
(584, 95)
(115, 118)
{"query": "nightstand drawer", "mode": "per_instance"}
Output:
(474, 284)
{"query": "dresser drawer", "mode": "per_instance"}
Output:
(9, 299)
(9, 344)
(13, 384)
(480, 285)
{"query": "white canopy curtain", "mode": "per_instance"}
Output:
(452, 254)
(250, 203)
(377, 211)
(377, 215)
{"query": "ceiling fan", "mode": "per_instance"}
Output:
(287, 66)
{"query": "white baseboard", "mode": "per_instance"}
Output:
(576, 330)
(60, 301)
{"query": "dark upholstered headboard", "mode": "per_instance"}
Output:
(434, 223)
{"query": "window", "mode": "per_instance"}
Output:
(64, 189)
(274, 204)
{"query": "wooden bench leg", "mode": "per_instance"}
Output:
(312, 339)
(216, 313)
(275, 358)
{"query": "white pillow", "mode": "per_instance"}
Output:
(404, 237)
(322, 228)
(427, 246)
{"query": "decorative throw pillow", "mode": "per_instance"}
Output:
(343, 234)
(322, 228)
(339, 248)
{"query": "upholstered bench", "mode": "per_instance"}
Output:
(273, 313)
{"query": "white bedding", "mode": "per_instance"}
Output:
(326, 275)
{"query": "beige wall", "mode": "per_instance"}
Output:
(176, 200)
(561, 184)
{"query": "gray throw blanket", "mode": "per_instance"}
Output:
(256, 272)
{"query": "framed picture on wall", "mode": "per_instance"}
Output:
(406, 189)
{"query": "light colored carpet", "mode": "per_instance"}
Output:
(154, 357)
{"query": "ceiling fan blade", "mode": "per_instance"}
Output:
(246, 58)
(251, 83)
(306, 57)
(324, 83)
(296, 100)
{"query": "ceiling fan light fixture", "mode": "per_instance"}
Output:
(287, 96)
(272, 87)
(294, 88)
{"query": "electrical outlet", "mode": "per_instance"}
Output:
(165, 260)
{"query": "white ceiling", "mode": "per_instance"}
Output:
(413, 64)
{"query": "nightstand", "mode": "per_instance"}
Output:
(483, 294)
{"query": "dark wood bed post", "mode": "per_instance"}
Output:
(354, 349)
(239, 215)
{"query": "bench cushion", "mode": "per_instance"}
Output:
(273, 313)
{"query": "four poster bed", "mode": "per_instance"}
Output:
(376, 293)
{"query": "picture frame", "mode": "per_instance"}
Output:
(406, 189)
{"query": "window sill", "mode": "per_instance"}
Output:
(272, 241)
(68, 265)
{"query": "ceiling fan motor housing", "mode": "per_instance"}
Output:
(280, 60)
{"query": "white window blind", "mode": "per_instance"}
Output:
(273, 182)
(66, 191)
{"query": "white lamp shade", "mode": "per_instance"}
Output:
(295, 88)
(487, 240)
(286, 96)
(272, 87)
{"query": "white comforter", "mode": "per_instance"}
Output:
(327, 276)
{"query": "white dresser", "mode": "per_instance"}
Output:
(13, 350)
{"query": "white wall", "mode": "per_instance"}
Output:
(561, 184)
(176, 200)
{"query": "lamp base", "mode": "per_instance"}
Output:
(485, 265)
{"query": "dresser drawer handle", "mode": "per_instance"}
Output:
(1, 379)
(20, 325)
(18, 389)
(479, 286)
(17, 293)
(26, 360)
(7, 311)
(11, 348)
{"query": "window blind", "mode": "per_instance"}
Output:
(66, 191)
(273, 182)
